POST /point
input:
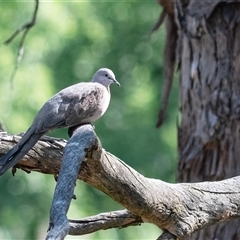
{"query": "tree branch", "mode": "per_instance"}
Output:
(25, 28)
(103, 221)
(169, 55)
(180, 209)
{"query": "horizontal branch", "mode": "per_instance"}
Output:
(180, 209)
(103, 221)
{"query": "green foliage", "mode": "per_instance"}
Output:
(69, 42)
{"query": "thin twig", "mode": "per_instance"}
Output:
(26, 27)
(159, 22)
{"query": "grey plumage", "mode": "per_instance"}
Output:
(78, 104)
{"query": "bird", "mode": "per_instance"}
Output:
(82, 103)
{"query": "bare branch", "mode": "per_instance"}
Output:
(103, 221)
(159, 22)
(169, 64)
(82, 139)
(25, 28)
(180, 209)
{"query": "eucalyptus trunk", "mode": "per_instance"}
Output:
(209, 129)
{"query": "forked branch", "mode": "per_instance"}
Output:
(25, 28)
(179, 209)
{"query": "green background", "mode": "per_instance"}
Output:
(70, 41)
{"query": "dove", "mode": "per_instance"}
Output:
(78, 104)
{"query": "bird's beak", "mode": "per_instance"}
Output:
(115, 81)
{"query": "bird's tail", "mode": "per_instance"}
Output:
(11, 158)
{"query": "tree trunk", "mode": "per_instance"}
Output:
(209, 131)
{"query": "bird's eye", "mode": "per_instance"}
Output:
(106, 75)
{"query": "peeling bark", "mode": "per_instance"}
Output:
(209, 133)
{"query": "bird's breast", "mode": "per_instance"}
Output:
(102, 104)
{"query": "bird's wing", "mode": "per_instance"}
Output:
(84, 108)
(72, 106)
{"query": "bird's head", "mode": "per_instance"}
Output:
(105, 76)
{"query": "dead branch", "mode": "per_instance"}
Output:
(180, 209)
(103, 221)
(25, 28)
(169, 55)
(169, 65)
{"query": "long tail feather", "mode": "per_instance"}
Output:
(11, 158)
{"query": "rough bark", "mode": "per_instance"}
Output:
(209, 132)
(179, 209)
(104, 221)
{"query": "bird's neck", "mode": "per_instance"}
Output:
(106, 85)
